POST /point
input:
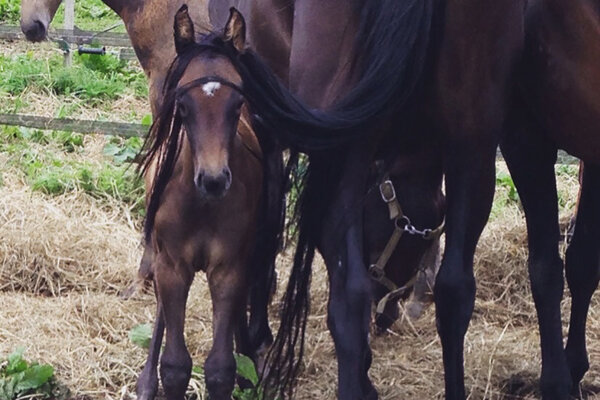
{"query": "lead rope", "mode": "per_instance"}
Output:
(402, 224)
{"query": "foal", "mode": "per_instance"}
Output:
(206, 216)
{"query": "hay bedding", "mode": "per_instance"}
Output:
(64, 259)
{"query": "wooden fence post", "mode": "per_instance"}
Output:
(69, 25)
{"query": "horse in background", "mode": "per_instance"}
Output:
(152, 40)
(206, 215)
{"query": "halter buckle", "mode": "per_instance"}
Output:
(387, 191)
(376, 272)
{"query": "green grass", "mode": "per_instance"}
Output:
(91, 15)
(10, 10)
(45, 172)
(93, 79)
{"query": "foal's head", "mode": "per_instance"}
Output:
(202, 98)
(209, 102)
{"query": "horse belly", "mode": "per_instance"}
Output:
(561, 80)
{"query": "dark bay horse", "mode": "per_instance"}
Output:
(418, 73)
(527, 68)
(206, 215)
(152, 40)
(557, 106)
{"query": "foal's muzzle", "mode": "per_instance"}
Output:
(214, 186)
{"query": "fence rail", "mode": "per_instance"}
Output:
(123, 129)
(73, 36)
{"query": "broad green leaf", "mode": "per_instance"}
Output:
(34, 377)
(16, 363)
(140, 335)
(245, 368)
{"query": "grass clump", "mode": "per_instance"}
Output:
(95, 79)
(9, 11)
(44, 171)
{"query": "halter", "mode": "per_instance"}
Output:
(402, 225)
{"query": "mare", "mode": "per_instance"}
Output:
(474, 73)
(152, 40)
(556, 106)
(206, 215)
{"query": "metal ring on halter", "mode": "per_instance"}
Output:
(376, 273)
(402, 223)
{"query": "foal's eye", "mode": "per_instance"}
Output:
(182, 109)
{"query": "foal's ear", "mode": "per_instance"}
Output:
(235, 29)
(184, 29)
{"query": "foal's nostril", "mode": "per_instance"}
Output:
(214, 186)
(227, 173)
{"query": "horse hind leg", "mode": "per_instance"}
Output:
(531, 159)
(583, 271)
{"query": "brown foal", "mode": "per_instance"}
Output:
(206, 216)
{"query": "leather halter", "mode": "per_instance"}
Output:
(402, 225)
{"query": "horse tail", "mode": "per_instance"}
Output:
(395, 42)
(392, 49)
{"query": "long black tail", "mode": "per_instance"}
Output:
(394, 44)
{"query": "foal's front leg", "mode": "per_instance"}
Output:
(173, 284)
(228, 293)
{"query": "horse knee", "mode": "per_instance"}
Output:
(219, 375)
(582, 268)
(175, 373)
(454, 297)
(546, 276)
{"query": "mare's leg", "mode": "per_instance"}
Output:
(478, 50)
(349, 308)
(265, 252)
(147, 384)
(531, 160)
(173, 284)
(228, 293)
(583, 269)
